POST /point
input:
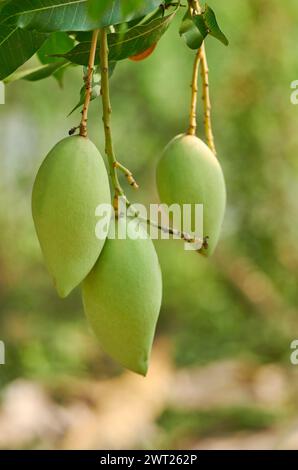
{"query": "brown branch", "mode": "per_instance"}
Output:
(88, 81)
(194, 96)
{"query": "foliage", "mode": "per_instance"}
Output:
(50, 27)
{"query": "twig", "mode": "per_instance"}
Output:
(88, 80)
(195, 5)
(206, 99)
(203, 242)
(177, 233)
(128, 174)
(201, 58)
(194, 8)
(194, 96)
(107, 112)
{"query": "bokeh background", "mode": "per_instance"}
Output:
(221, 375)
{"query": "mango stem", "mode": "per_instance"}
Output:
(88, 82)
(107, 113)
(206, 99)
(194, 96)
(201, 59)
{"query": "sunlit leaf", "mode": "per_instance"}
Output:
(212, 25)
(57, 43)
(37, 73)
(67, 15)
(16, 47)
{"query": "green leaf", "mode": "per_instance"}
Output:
(125, 7)
(190, 32)
(123, 45)
(2, 3)
(84, 36)
(200, 24)
(37, 73)
(57, 43)
(16, 47)
(66, 15)
(212, 25)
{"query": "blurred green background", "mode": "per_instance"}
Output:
(221, 375)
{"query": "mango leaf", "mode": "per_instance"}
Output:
(57, 43)
(37, 73)
(2, 3)
(16, 47)
(212, 25)
(127, 7)
(123, 45)
(84, 36)
(199, 21)
(65, 15)
(190, 32)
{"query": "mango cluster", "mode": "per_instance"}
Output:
(121, 279)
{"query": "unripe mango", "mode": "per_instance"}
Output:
(122, 299)
(71, 182)
(189, 173)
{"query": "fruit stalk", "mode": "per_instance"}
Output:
(194, 8)
(201, 59)
(171, 230)
(177, 233)
(194, 96)
(206, 98)
(128, 174)
(107, 112)
(88, 81)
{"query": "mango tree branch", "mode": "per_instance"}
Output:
(206, 99)
(88, 81)
(202, 242)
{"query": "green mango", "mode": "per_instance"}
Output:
(189, 173)
(122, 298)
(71, 182)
